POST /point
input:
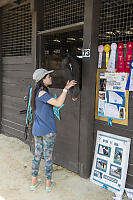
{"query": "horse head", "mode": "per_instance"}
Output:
(72, 70)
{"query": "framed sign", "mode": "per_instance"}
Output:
(110, 162)
(111, 97)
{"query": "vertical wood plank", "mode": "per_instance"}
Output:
(41, 57)
(91, 27)
(34, 32)
(37, 24)
(0, 73)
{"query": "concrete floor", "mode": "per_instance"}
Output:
(15, 172)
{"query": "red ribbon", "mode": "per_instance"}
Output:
(128, 56)
(120, 60)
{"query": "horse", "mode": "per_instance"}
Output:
(72, 70)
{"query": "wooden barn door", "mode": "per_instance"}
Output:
(56, 35)
(66, 151)
(17, 66)
(67, 142)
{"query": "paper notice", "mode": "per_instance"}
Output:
(115, 98)
(111, 111)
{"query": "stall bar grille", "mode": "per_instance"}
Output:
(16, 31)
(116, 21)
(59, 13)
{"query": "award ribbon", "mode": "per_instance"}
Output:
(111, 67)
(107, 49)
(100, 50)
(129, 85)
(109, 121)
(128, 56)
(120, 60)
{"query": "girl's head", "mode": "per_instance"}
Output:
(42, 80)
(42, 75)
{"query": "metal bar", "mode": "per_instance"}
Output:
(62, 29)
(12, 7)
(5, 2)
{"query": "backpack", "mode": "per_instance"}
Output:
(29, 114)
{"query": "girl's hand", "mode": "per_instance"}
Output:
(70, 84)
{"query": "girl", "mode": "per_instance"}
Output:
(44, 126)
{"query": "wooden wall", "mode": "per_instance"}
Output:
(0, 76)
(17, 74)
(88, 124)
(90, 41)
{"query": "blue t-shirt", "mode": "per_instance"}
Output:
(44, 121)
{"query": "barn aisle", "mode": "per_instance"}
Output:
(15, 169)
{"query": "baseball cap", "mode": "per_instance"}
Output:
(40, 73)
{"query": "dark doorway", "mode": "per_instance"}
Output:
(54, 47)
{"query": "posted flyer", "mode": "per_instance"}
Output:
(110, 162)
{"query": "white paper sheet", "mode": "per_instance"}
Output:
(119, 195)
(129, 193)
(101, 106)
(111, 111)
(115, 98)
(116, 81)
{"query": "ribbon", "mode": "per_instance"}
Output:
(120, 60)
(129, 85)
(105, 186)
(107, 49)
(110, 121)
(128, 56)
(111, 67)
(100, 50)
(57, 109)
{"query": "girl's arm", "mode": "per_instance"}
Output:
(60, 100)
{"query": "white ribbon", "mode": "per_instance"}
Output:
(131, 81)
(100, 50)
(111, 67)
(129, 85)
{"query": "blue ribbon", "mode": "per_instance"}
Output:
(57, 109)
(110, 121)
(129, 77)
(105, 186)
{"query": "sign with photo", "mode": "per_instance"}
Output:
(111, 97)
(110, 162)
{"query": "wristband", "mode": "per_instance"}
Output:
(65, 90)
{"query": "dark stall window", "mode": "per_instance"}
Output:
(56, 46)
(16, 29)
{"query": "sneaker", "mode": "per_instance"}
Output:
(48, 189)
(33, 187)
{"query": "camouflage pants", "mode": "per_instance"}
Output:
(43, 147)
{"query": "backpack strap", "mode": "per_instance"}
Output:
(29, 114)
